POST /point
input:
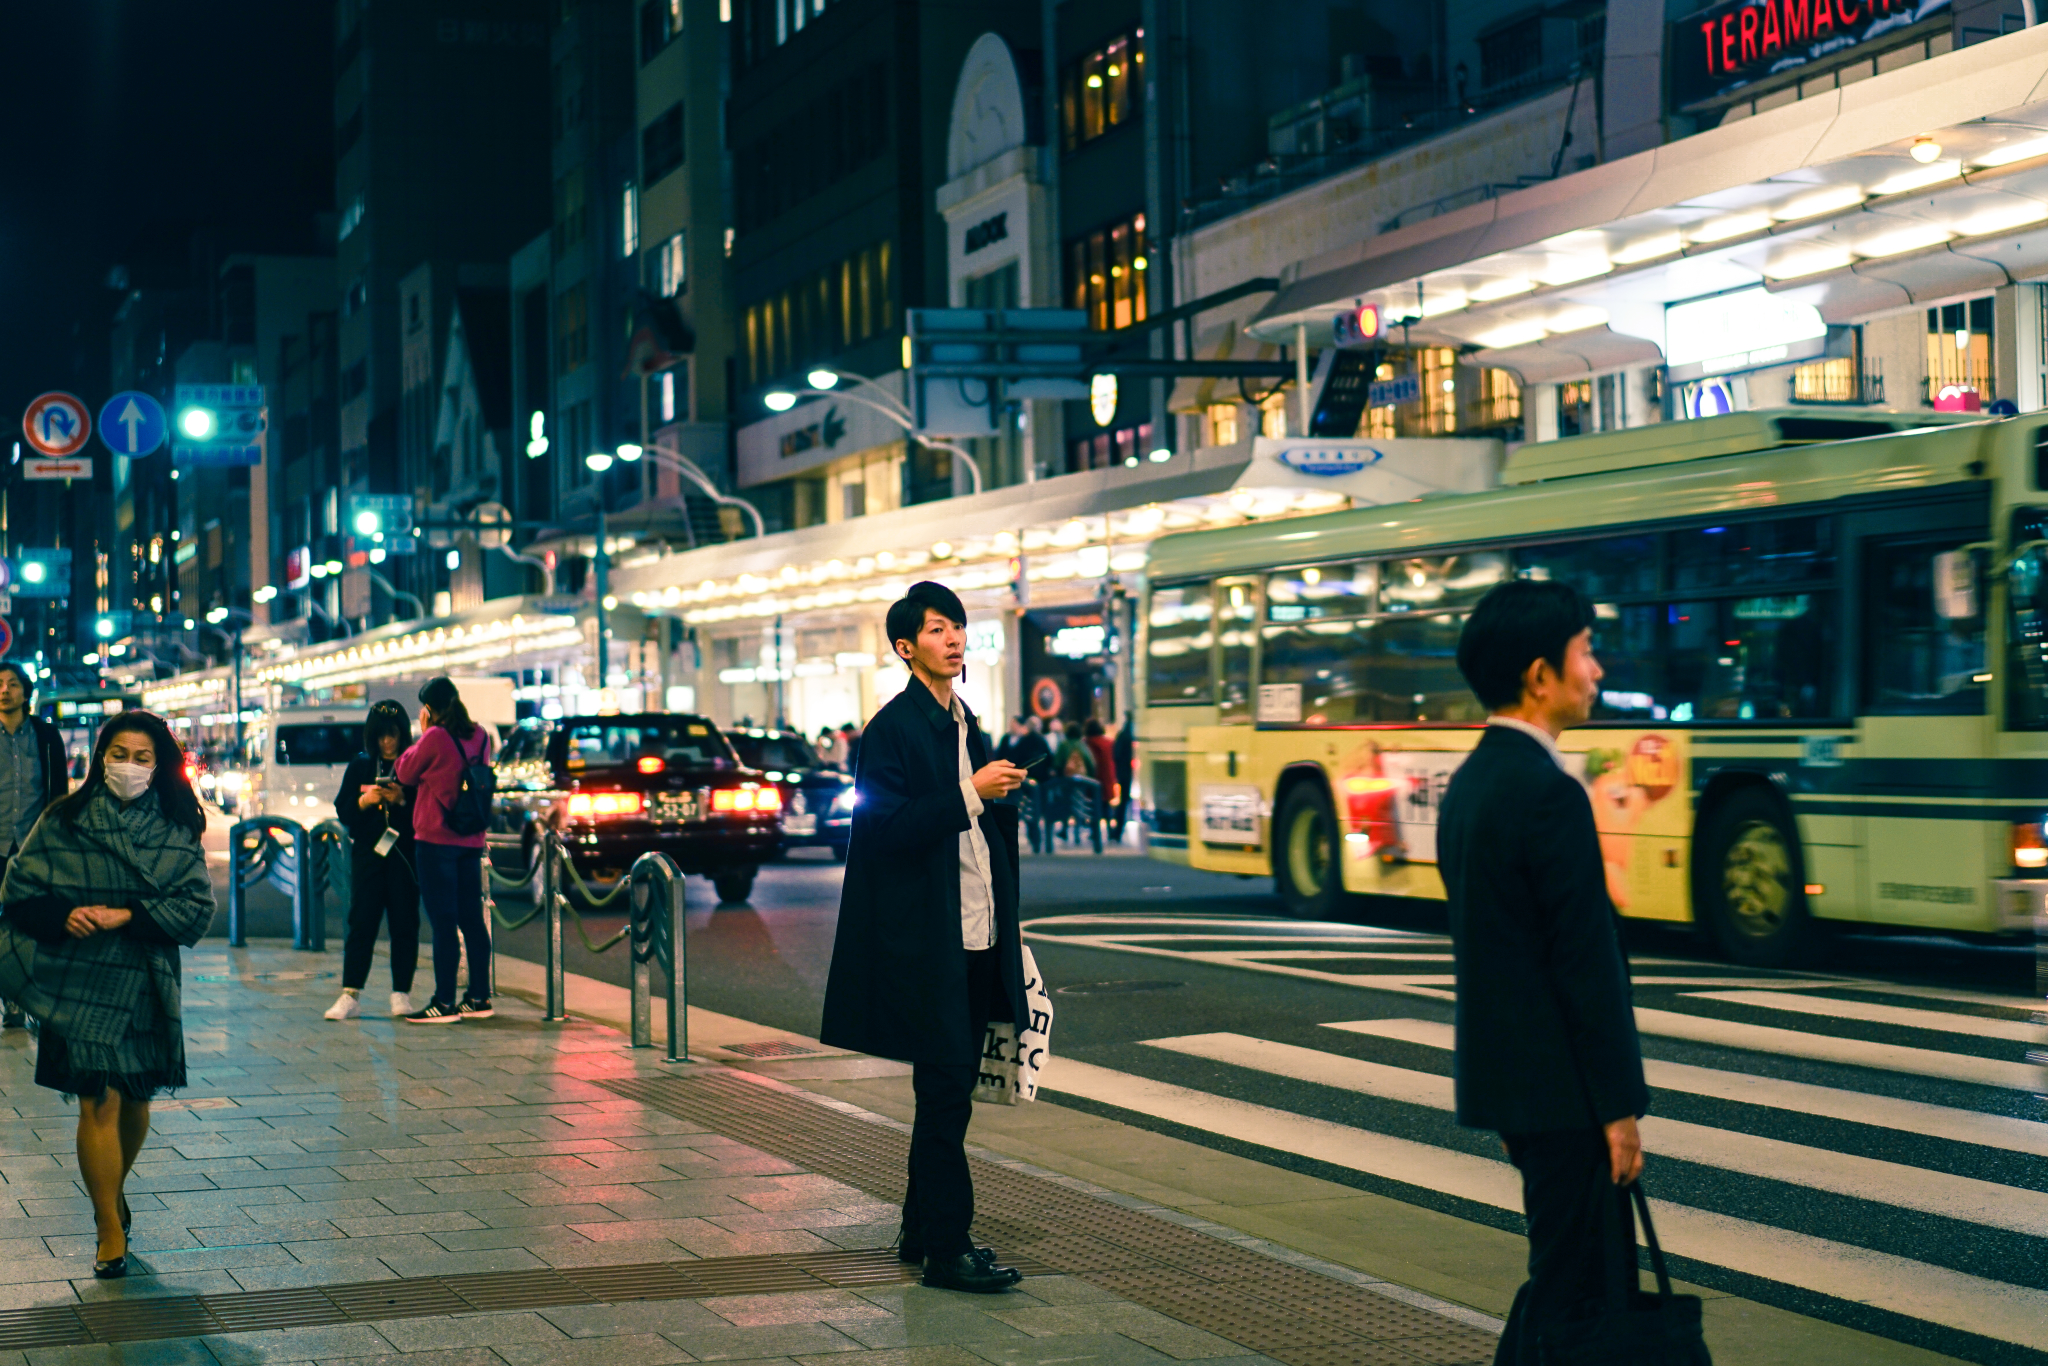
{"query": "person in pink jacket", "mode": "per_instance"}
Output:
(450, 865)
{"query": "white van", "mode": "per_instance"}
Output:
(307, 749)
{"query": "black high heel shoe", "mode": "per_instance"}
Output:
(112, 1269)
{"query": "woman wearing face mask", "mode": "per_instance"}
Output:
(110, 884)
(378, 813)
(450, 865)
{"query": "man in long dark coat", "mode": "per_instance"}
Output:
(928, 951)
(1546, 1034)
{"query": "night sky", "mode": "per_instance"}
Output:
(128, 125)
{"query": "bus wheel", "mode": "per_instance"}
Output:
(1306, 872)
(1752, 885)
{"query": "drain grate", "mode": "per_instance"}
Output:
(771, 1048)
(1289, 1313)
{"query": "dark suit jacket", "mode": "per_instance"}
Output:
(898, 983)
(1543, 991)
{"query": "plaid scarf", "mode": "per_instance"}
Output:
(91, 990)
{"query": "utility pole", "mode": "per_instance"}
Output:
(603, 560)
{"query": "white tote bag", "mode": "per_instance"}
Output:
(1013, 1056)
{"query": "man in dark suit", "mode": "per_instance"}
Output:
(1546, 1035)
(34, 772)
(928, 950)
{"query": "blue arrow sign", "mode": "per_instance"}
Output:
(132, 424)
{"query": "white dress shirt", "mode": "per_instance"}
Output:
(977, 902)
(1535, 732)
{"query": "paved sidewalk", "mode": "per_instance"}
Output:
(520, 1212)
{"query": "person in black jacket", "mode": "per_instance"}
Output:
(382, 883)
(1546, 1037)
(33, 773)
(927, 951)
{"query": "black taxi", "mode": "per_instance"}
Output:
(617, 786)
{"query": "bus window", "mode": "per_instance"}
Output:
(1610, 567)
(1237, 630)
(1921, 655)
(1414, 671)
(1632, 683)
(1730, 555)
(1749, 659)
(1328, 661)
(319, 743)
(1178, 640)
(1444, 583)
(1330, 590)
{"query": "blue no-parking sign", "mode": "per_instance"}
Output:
(132, 424)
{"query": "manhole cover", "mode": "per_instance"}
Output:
(1115, 988)
(773, 1048)
(260, 976)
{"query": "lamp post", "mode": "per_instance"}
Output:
(599, 462)
(417, 606)
(234, 640)
(883, 402)
(670, 458)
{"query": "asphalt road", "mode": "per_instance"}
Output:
(1863, 1142)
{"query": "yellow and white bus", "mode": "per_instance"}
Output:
(1825, 638)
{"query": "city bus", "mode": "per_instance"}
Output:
(1825, 637)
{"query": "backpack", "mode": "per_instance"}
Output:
(470, 812)
(1077, 765)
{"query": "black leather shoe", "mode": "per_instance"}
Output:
(912, 1253)
(970, 1273)
(112, 1269)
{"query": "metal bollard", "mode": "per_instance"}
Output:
(678, 977)
(639, 944)
(309, 923)
(490, 909)
(237, 938)
(551, 892)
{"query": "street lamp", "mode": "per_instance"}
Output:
(214, 619)
(882, 401)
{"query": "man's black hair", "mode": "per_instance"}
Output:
(906, 614)
(1514, 625)
(28, 685)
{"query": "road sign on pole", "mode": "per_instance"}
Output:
(57, 424)
(219, 424)
(132, 424)
(78, 467)
(6, 636)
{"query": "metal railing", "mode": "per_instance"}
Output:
(256, 852)
(653, 928)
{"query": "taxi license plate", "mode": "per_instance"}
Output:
(675, 807)
(800, 825)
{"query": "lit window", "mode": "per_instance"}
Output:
(629, 221)
(671, 267)
(1223, 424)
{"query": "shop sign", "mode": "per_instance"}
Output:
(825, 434)
(1328, 461)
(986, 232)
(1737, 42)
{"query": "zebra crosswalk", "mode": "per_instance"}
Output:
(1884, 1150)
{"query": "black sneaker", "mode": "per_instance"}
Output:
(473, 1009)
(435, 1013)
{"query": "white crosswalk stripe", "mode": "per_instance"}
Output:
(1828, 1102)
(1941, 1146)
(2011, 1313)
(1864, 1178)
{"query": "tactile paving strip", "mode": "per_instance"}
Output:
(1289, 1313)
(170, 1316)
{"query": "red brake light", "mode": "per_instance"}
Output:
(735, 799)
(768, 799)
(650, 764)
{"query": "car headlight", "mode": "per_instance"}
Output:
(846, 800)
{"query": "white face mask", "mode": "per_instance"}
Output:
(129, 781)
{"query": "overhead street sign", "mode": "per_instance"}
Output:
(218, 424)
(132, 424)
(42, 573)
(57, 424)
(79, 468)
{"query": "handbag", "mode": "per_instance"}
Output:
(1014, 1055)
(1632, 1328)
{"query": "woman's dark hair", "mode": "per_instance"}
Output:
(449, 714)
(1093, 728)
(1514, 625)
(1074, 732)
(173, 789)
(906, 615)
(386, 718)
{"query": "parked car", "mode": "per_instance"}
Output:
(616, 787)
(817, 796)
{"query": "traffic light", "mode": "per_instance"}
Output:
(111, 626)
(218, 424)
(42, 574)
(381, 519)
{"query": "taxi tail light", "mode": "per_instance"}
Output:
(597, 805)
(734, 800)
(651, 764)
(2029, 845)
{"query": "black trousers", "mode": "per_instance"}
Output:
(382, 889)
(1581, 1234)
(938, 1201)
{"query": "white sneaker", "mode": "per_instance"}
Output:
(401, 1004)
(344, 1008)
